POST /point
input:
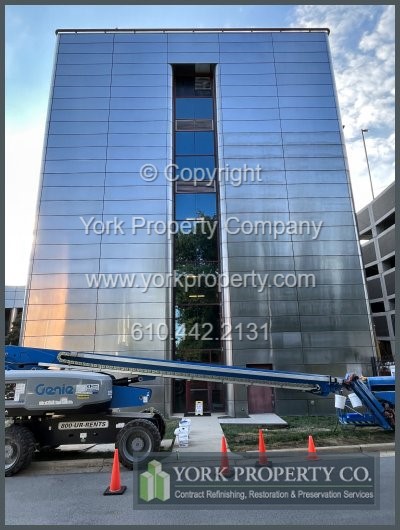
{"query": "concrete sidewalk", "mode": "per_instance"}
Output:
(205, 435)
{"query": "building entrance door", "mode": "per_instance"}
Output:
(260, 398)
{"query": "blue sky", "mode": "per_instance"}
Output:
(362, 45)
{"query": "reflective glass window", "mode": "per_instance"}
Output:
(195, 205)
(194, 143)
(187, 108)
(190, 166)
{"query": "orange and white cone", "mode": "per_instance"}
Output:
(312, 452)
(115, 487)
(224, 467)
(262, 452)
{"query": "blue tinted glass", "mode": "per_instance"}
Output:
(193, 205)
(194, 108)
(187, 165)
(184, 143)
(194, 143)
(204, 143)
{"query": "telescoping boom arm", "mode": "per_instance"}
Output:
(145, 369)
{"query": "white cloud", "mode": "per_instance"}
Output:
(362, 46)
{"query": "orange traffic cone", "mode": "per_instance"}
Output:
(312, 452)
(262, 453)
(224, 467)
(115, 487)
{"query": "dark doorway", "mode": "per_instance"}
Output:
(260, 398)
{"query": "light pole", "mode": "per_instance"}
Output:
(366, 156)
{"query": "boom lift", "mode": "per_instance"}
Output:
(56, 397)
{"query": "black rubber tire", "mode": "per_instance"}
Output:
(160, 420)
(136, 441)
(20, 446)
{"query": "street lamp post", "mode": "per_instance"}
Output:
(366, 157)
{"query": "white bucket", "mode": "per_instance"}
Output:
(340, 401)
(355, 400)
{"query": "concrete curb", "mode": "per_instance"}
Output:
(336, 449)
(104, 464)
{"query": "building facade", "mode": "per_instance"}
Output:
(376, 224)
(260, 101)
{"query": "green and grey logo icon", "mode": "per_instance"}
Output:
(154, 483)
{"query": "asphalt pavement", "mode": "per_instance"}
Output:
(77, 498)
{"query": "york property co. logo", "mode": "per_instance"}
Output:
(154, 483)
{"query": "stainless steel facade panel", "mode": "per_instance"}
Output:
(250, 102)
(82, 80)
(140, 37)
(148, 92)
(84, 69)
(313, 205)
(249, 37)
(248, 91)
(139, 68)
(276, 108)
(78, 127)
(61, 327)
(137, 58)
(67, 251)
(73, 179)
(138, 115)
(136, 152)
(76, 140)
(303, 79)
(298, 46)
(332, 307)
(306, 177)
(62, 312)
(122, 127)
(256, 57)
(62, 296)
(250, 191)
(145, 312)
(237, 206)
(86, 37)
(249, 68)
(248, 80)
(326, 262)
(132, 296)
(324, 248)
(247, 126)
(81, 47)
(140, 47)
(260, 263)
(120, 193)
(182, 57)
(311, 139)
(73, 208)
(139, 80)
(138, 103)
(318, 190)
(193, 47)
(294, 57)
(326, 113)
(77, 153)
(302, 68)
(84, 58)
(309, 126)
(245, 47)
(253, 151)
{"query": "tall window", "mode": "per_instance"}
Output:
(196, 251)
